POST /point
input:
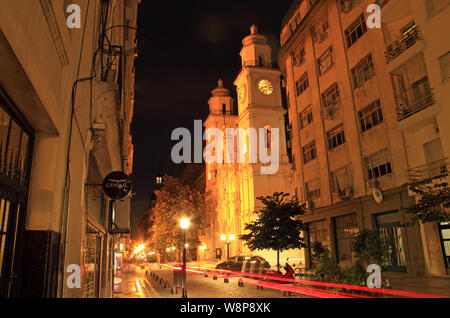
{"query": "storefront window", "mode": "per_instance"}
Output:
(318, 232)
(92, 257)
(15, 145)
(345, 228)
(444, 228)
(388, 224)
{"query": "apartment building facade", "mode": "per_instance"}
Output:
(66, 104)
(351, 156)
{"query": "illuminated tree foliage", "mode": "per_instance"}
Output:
(433, 204)
(173, 202)
(275, 227)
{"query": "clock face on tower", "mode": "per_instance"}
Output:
(242, 90)
(265, 87)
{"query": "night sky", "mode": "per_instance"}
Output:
(188, 46)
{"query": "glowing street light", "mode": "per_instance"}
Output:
(184, 224)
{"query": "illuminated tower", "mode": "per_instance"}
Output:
(260, 106)
(221, 188)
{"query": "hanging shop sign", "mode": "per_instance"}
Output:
(117, 185)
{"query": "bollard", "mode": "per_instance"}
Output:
(258, 286)
(215, 277)
(226, 279)
(241, 282)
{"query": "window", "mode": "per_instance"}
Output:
(363, 71)
(345, 227)
(319, 32)
(331, 97)
(393, 234)
(444, 62)
(306, 117)
(318, 232)
(335, 137)
(325, 62)
(370, 116)
(309, 152)
(313, 189)
(15, 159)
(341, 181)
(294, 23)
(355, 31)
(378, 165)
(302, 83)
(434, 156)
(92, 260)
(268, 137)
(299, 57)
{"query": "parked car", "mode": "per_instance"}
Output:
(244, 263)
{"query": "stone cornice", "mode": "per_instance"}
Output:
(55, 32)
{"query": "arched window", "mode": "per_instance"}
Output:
(261, 61)
(268, 136)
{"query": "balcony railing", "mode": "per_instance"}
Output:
(399, 46)
(411, 101)
(430, 170)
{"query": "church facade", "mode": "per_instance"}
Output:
(233, 186)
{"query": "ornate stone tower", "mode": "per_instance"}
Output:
(260, 106)
(222, 197)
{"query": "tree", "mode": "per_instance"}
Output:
(371, 248)
(275, 227)
(433, 204)
(174, 201)
(325, 267)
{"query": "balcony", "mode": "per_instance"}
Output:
(435, 169)
(413, 100)
(399, 46)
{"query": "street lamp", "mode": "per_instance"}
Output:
(184, 223)
(231, 238)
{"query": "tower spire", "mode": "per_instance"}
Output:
(253, 29)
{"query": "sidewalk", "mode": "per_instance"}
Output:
(435, 286)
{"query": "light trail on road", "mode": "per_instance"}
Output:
(308, 291)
